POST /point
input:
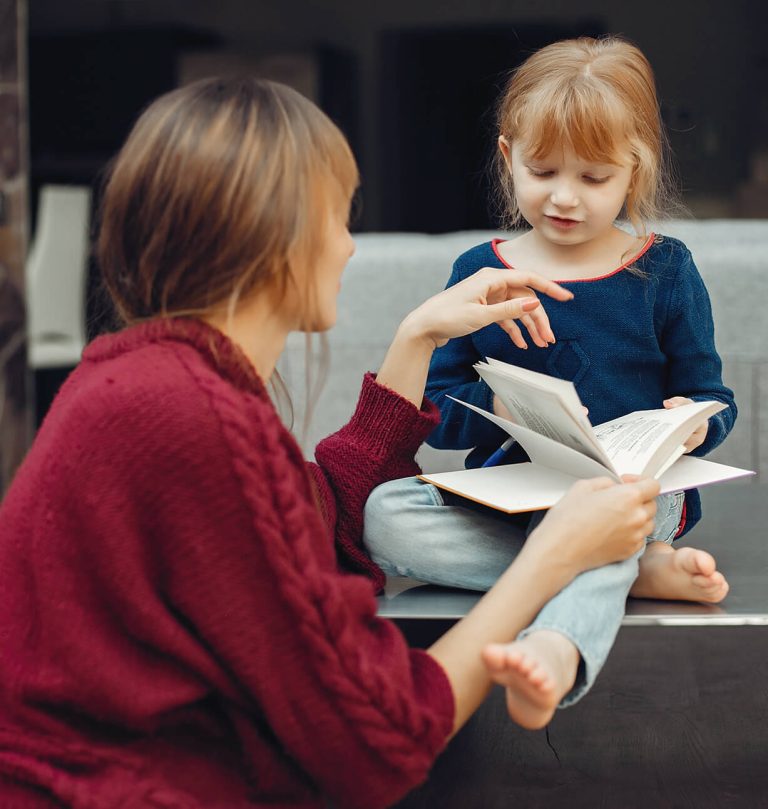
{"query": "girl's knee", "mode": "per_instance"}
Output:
(393, 510)
(397, 497)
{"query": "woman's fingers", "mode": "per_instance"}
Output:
(511, 309)
(537, 324)
(530, 327)
(541, 318)
(647, 489)
(498, 284)
(514, 332)
(599, 521)
(506, 313)
(515, 279)
(510, 286)
(488, 296)
(596, 484)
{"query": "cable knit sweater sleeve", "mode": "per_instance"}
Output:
(378, 444)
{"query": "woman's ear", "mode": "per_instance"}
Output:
(505, 149)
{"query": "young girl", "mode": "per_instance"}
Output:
(176, 629)
(581, 146)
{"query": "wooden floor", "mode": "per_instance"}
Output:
(678, 718)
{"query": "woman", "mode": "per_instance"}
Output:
(181, 625)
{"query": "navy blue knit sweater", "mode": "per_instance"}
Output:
(627, 341)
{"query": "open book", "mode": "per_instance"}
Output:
(550, 424)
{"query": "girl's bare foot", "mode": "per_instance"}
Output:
(537, 671)
(687, 574)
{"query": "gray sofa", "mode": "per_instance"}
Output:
(668, 722)
(391, 273)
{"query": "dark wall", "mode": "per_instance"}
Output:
(438, 91)
(709, 57)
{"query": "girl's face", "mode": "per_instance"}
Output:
(566, 199)
(327, 263)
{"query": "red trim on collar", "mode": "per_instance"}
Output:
(683, 516)
(496, 242)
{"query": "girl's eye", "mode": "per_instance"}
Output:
(541, 172)
(596, 180)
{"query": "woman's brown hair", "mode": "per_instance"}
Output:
(219, 187)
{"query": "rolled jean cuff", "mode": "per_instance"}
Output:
(587, 671)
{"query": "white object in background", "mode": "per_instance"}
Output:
(56, 276)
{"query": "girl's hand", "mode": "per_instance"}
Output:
(488, 296)
(696, 438)
(598, 522)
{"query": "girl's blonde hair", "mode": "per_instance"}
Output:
(598, 98)
(221, 187)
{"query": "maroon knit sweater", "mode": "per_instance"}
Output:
(175, 627)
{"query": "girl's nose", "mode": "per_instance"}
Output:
(564, 195)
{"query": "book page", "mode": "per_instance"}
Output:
(678, 453)
(547, 452)
(564, 389)
(545, 409)
(512, 488)
(647, 442)
(527, 487)
(693, 473)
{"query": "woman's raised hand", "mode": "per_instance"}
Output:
(488, 296)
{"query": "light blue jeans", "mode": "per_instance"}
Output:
(411, 530)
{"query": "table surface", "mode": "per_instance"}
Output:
(734, 529)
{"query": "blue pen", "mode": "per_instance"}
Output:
(497, 457)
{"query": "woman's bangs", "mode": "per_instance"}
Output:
(345, 168)
(333, 168)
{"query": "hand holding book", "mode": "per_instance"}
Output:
(698, 436)
(550, 423)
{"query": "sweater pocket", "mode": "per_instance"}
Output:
(567, 360)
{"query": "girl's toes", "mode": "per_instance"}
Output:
(705, 563)
(713, 582)
(494, 657)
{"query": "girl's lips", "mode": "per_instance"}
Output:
(564, 224)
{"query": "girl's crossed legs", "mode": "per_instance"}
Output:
(413, 529)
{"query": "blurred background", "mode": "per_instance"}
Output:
(411, 82)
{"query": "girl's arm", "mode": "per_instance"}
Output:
(688, 342)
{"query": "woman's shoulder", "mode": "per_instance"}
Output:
(167, 345)
(161, 385)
